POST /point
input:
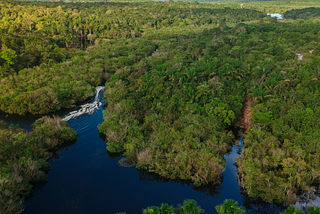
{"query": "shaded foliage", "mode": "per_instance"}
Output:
(305, 13)
(23, 158)
(230, 207)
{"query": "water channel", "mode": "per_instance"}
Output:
(85, 178)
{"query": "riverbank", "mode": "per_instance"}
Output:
(24, 158)
(70, 187)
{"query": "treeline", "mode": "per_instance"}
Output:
(37, 31)
(280, 6)
(23, 158)
(44, 34)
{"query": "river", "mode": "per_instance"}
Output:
(85, 178)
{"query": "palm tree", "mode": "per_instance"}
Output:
(230, 207)
(281, 87)
(166, 209)
(292, 210)
(258, 93)
(151, 210)
(190, 207)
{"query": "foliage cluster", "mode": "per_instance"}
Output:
(282, 147)
(189, 206)
(46, 33)
(40, 32)
(309, 210)
(280, 153)
(280, 6)
(228, 207)
(23, 158)
(171, 116)
(306, 13)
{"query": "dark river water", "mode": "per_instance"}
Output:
(85, 178)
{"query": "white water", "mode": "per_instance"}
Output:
(300, 56)
(279, 16)
(88, 108)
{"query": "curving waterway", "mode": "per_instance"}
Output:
(85, 178)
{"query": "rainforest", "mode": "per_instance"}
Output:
(191, 90)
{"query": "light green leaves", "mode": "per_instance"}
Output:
(8, 55)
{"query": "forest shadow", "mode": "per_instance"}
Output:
(111, 155)
(62, 148)
(55, 155)
(208, 190)
(258, 206)
(304, 13)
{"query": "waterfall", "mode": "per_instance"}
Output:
(88, 108)
(279, 16)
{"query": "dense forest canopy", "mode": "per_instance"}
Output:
(31, 49)
(280, 6)
(174, 115)
(177, 76)
(305, 13)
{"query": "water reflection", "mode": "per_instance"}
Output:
(307, 199)
(208, 190)
(258, 206)
(60, 149)
(55, 156)
(239, 151)
(228, 188)
(24, 121)
(114, 155)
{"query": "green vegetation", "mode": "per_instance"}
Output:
(280, 6)
(169, 112)
(23, 158)
(229, 207)
(306, 13)
(308, 210)
(280, 155)
(177, 75)
(49, 33)
(189, 207)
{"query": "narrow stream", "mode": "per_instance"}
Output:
(85, 178)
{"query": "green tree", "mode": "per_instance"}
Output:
(8, 55)
(230, 207)
(166, 209)
(190, 207)
(292, 210)
(151, 210)
(313, 210)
